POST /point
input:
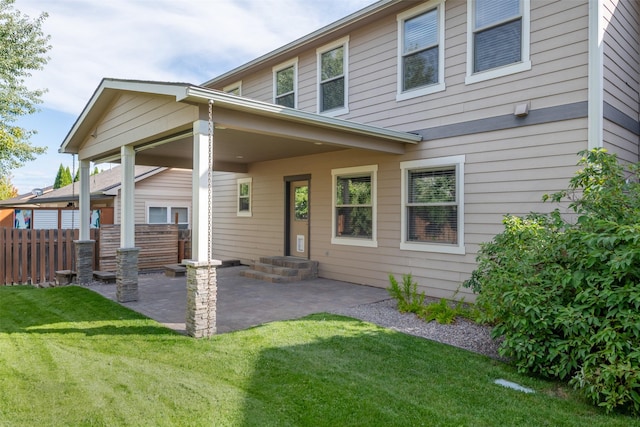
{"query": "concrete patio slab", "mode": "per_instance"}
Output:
(244, 302)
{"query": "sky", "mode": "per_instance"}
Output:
(188, 41)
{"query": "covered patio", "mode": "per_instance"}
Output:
(205, 130)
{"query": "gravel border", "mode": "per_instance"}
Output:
(462, 333)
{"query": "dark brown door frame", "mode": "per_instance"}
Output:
(287, 212)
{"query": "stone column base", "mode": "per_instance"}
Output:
(202, 290)
(84, 261)
(127, 274)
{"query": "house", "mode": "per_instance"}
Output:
(392, 141)
(161, 194)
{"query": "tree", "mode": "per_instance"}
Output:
(23, 49)
(63, 177)
(7, 189)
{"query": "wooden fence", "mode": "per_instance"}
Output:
(158, 245)
(33, 256)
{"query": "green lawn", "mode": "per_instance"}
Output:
(69, 357)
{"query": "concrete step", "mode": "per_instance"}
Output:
(280, 269)
(268, 277)
(274, 269)
(289, 262)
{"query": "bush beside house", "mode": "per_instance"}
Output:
(564, 291)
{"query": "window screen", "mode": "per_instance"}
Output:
(497, 37)
(354, 206)
(432, 207)
(285, 87)
(420, 51)
(332, 79)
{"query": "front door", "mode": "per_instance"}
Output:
(298, 219)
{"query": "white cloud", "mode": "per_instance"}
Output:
(168, 40)
(188, 41)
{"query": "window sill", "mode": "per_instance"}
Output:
(335, 112)
(498, 72)
(414, 93)
(354, 242)
(426, 247)
(244, 214)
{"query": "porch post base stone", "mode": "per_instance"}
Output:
(202, 291)
(127, 274)
(84, 261)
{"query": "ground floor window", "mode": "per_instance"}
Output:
(354, 206)
(244, 196)
(432, 205)
(168, 215)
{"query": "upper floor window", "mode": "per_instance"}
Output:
(421, 50)
(354, 206)
(332, 78)
(432, 205)
(285, 84)
(234, 88)
(498, 38)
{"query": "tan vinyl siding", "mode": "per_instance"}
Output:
(558, 76)
(137, 116)
(622, 74)
(171, 187)
(622, 55)
(505, 172)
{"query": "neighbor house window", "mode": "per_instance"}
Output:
(234, 88)
(285, 84)
(165, 214)
(332, 78)
(354, 206)
(497, 38)
(432, 205)
(421, 50)
(244, 196)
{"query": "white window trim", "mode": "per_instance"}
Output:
(292, 63)
(523, 65)
(458, 162)
(401, 94)
(353, 241)
(240, 181)
(340, 42)
(168, 205)
(232, 86)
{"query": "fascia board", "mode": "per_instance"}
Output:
(276, 111)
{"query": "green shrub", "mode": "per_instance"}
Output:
(407, 296)
(566, 295)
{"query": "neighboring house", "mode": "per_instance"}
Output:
(161, 194)
(391, 141)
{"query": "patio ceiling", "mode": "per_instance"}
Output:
(246, 131)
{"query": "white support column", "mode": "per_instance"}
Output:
(200, 192)
(127, 254)
(84, 247)
(85, 200)
(127, 220)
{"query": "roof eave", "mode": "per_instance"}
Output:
(196, 93)
(105, 91)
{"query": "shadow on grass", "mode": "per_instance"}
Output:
(72, 309)
(365, 375)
